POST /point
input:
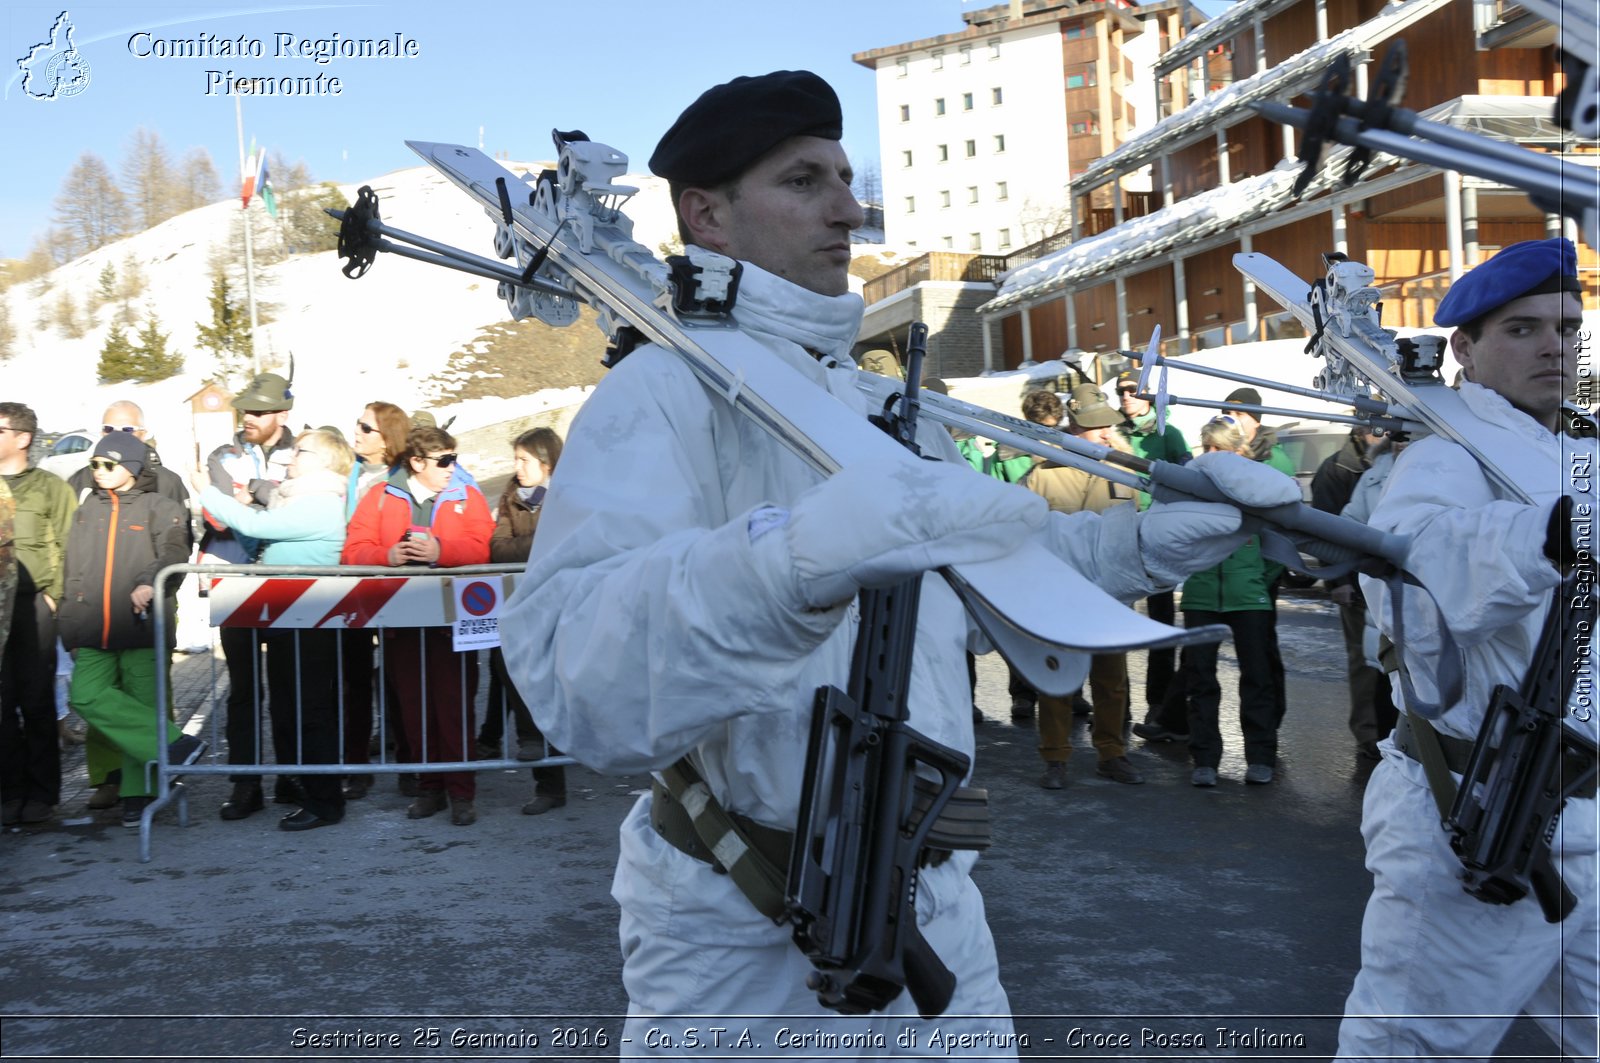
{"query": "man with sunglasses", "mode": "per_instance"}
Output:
(127, 418)
(30, 756)
(249, 468)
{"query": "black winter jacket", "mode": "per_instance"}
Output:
(119, 541)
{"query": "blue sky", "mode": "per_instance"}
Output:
(621, 70)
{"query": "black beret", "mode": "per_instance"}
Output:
(1533, 267)
(724, 132)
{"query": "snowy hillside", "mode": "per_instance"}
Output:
(353, 342)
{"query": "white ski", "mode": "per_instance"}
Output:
(1353, 339)
(1043, 615)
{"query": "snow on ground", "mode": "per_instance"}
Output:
(353, 342)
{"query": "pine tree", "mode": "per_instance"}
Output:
(119, 359)
(106, 290)
(227, 337)
(156, 362)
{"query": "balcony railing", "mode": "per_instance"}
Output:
(934, 266)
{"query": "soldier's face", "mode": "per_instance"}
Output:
(1527, 353)
(791, 214)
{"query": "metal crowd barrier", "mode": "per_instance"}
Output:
(282, 601)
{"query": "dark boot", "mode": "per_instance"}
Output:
(245, 799)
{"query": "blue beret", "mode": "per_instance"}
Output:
(1534, 267)
(724, 132)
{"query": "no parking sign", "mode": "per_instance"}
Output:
(477, 613)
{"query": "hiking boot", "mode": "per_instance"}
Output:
(71, 731)
(1258, 774)
(1055, 775)
(1203, 777)
(463, 813)
(543, 803)
(106, 795)
(1154, 732)
(1021, 711)
(1119, 769)
(133, 810)
(287, 791)
(427, 803)
(185, 750)
(245, 799)
(1080, 705)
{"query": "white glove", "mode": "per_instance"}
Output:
(1177, 538)
(873, 527)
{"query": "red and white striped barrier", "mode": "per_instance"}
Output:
(347, 601)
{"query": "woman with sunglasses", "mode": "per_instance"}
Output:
(428, 513)
(303, 524)
(1237, 593)
(379, 442)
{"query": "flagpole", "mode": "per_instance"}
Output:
(249, 245)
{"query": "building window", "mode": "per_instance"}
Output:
(903, 67)
(996, 97)
(1085, 127)
(1005, 239)
(975, 241)
(966, 101)
(905, 112)
(949, 241)
(944, 152)
(911, 204)
(972, 193)
(966, 54)
(938, 59)
(999, 142)
(938, 105)
(1075, 81)
(1001, 190)
(994, 48)
(944, 198)
(1075, 32)
(905, 158)
(972, 148)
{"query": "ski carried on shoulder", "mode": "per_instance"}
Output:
(573, 245)
(1340, 312)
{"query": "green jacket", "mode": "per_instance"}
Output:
(1146, 442)
(1007, 463)
(1266, 448)
(45, 505)
(1240, 584)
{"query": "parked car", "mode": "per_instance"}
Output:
(1309, 444)
(69, 452)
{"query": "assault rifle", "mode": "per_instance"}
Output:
(1527, 762)
(859, 840)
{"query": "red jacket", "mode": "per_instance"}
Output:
(461, 523)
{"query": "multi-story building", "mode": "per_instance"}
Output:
(981, 129)
(1223, 182)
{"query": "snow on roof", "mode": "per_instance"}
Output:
(1285, 80)
(1214, 31)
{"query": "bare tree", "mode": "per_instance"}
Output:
(868, 189)
(198, 184)
(90, 208)
(287, 177)
(148, 175)
(8, 331)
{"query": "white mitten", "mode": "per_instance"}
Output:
(1177, 538)
(873, 527)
